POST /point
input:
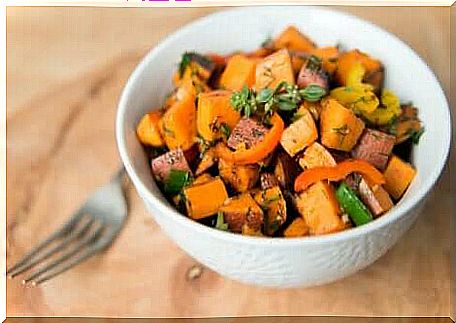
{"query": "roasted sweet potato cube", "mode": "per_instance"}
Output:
(198, 65)
(286, 169)
(291, 38)
(300, 134)
(207, 161)
(407, 124)
(340, 129)
(214, 112)
(242, 210)
(204, 178)
(398, 176)
(203, 200)
(273, 203)
(374, 147)
(239, 72)
(297, 228)
(240, 177)
(319, 208)
(148, 130)
(246, 134)
(273, 70)
(316, 156)
(329, 57)
(174, 159)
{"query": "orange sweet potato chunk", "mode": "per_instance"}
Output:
(274, 69)
(214, 110)
(239, 71)
(319, 208)
(339, 126)
(398, 176)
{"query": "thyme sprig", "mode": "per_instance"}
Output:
(285, 97)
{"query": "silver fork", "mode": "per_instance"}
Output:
(89, 230)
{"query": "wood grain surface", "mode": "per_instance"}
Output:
(61, 146)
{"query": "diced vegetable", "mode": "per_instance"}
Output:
(172, 160)
(246, 134)
(398, 176)
(312, 73)
(339, 127)
(319, 208)
(297, 228)
(197, 202)
(316, 156)
(407, 125)
(273, 70)
(351, 204)
(179, 121)
(300, 133)
(176, 181)
(214, 113)
(297, 61)
(268, 180)
(204, 178)
(374, 197)
(292, 39)
(338, 173)
(313, 107)
(239, 71)
(258, 152)
(242, 210)
(273, 203)
(346, 61)
(197, 64)
(248, 231)
(358, 99)
(240, 177)
(374, 147)
(148, 131)
(207, 161)
(286, 170)
(329, 56)
(390, 109)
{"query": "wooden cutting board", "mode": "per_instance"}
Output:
(61, 146)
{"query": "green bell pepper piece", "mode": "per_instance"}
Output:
(351, 204)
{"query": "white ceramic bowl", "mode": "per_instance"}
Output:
(300, 261)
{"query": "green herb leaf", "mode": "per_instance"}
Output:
(185, 61)
(415, 135)
(265, 95)
(312, 92)
(220, 224)
(176, 181)
(287, 105)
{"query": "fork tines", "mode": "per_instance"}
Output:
(71, 244)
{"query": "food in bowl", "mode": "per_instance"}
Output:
(289, 140)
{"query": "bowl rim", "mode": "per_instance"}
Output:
(167, 210)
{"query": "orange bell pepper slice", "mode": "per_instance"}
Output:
(259, 151)
(338, 173)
